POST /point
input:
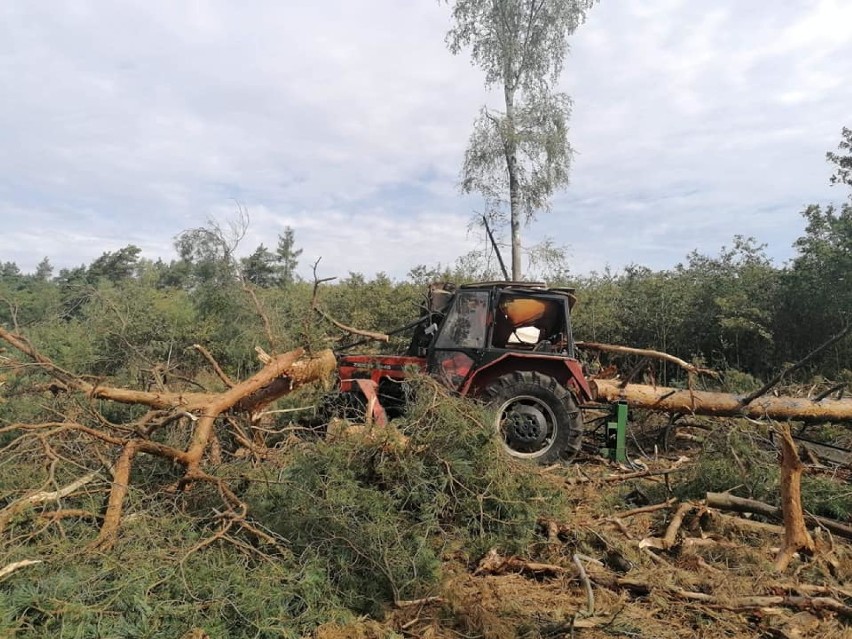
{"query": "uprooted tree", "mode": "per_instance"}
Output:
(200, 412)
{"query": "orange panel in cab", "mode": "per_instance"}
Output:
(523, 311)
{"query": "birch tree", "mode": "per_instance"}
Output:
(518, 156)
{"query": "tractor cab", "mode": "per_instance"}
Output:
(486, 322)
(508, 343)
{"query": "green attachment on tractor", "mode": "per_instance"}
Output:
(615, 436)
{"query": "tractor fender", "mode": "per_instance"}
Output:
(566, 371)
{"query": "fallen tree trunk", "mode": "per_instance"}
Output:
(674, 400)
(724, 501)
(200, 412)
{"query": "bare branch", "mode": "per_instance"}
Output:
(379, 337)
(212, 361)
(643, 352)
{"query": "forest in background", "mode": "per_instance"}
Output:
(733, 311)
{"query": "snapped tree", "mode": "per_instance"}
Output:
(518, 157)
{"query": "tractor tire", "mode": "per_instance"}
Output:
(537, 418)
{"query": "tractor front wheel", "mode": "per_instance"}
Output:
(537, 418)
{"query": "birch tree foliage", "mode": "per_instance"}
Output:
(518, 157)
(539, 136)
(841, 161)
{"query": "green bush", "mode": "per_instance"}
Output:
(380, 514)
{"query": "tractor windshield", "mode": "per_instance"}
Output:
(466, 323)
(527, 322)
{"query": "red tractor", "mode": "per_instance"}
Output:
(508, 343)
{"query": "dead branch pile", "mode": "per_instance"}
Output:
(653, 570)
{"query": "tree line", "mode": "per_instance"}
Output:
(735, 310)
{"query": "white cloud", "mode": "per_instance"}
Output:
(128, 122)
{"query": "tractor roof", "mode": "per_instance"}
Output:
(526, 287)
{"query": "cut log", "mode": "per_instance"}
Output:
(674, 400)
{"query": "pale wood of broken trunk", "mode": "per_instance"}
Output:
(796, 535)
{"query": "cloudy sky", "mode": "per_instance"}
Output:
(126, 122)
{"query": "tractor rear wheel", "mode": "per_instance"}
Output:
(537, 418)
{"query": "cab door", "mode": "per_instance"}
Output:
(462, 338)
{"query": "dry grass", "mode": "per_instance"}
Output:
(730, 563)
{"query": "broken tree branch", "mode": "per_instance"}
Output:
(495, 564)
(215, 365)
(745, 401)
(652, 354)
(496, 248)
(12, 509)
(635, 371)
(379, 337)
(827, 392)
(668, 541)
(645, 509)
(115, 505)
(644, 473)
(676, 523)
(16, 565)
(587, 586)
(765, 601)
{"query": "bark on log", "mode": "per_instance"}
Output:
(673, 400)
